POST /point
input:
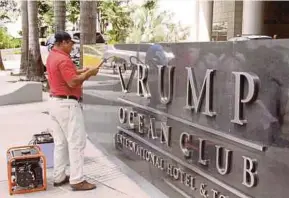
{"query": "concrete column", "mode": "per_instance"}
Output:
(205, 20)
(194, 24)
(253, 17)
(97, 24)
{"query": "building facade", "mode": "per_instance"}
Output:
(221, 20)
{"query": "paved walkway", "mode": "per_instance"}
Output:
(18, 124)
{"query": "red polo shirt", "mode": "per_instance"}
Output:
(61, 70)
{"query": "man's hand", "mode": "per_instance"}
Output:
(80, 71)
(93, 71)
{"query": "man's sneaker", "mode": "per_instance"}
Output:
(83, 186)
(65, 181)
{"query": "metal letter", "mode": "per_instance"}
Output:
(118, 138)
(142, 81)
(138, 150)
(176, 173)
(193, 183)
(131, 116)
(126, 143)
(134, 147)
(162, 164)
(253, 82)
(170, 169)
(152, 130)
(166, 98)
(203, 191)
(184, 138)
(193, 101)
(201, 152)
(182, 175)
(141, 123)
(249, 172)
(148, 156)
(219, 160)
(215, 193)
(125, 87)
(187, 180)
(145, 151)
(121, 139)
(156, 161)
(153, 159)
(130, 145)
(165, 134)
(122, 115)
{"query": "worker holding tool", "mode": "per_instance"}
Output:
(65, 109)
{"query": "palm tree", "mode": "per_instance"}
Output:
(8, 10)
(59, 15)
(25, 36)
(35, 68)
(87, 25)
(2, 16)
(115, 13)
(1, 63)
(151, 26)
(73, 14)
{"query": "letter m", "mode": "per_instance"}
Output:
(193, 99)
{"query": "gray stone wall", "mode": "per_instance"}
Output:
(192, 140)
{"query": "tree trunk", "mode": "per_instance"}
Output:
(25, 36)
(87, 25)
(59, 15)
(36, 67)
(1, 63)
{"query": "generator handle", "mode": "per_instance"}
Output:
(28, 157)
(24, 147)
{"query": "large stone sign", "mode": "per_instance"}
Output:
(210, 119)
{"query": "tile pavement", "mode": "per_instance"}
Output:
(19, 122)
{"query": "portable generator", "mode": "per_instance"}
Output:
(26, 169)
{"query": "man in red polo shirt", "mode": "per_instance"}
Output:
(68, 132)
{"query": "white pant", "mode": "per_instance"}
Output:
(69, 139)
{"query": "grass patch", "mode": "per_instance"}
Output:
(17, 51)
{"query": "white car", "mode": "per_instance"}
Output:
(250, 37)
(75, 35)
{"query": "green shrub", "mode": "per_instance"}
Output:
(7, 41)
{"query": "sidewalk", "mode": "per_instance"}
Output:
(19, 122)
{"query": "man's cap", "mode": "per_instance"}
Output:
(64, 36)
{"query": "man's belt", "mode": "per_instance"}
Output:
(67, 97)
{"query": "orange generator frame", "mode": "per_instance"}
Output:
(26, 156)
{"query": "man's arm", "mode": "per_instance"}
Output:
(79, 79)
(69, 74)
